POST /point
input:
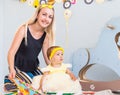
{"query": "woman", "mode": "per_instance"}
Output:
(32, 37)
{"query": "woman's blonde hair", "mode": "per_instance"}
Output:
(49, 30)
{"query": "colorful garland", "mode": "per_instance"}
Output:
(36, 3)
(66, 3)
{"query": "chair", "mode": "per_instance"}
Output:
(100, 85)
(97, 77)
(98, 72)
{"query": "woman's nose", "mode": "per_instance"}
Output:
(47, 18)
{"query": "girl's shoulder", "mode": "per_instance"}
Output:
(45, 69)
(68, 65)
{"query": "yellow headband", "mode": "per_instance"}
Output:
(46, 5)
(54, 51)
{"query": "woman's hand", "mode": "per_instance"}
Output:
(12, 73)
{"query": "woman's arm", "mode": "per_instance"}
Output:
(71, 74)
(13, 49)
(44, 49)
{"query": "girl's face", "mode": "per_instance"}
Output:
(45, 17)
(57, 58)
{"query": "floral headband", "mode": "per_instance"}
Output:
(54, 51)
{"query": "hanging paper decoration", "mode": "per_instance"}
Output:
(36, 3)
(99, 1)
(30, 2)
(22, 0)
(43, 1)
(67, 4)
(73, 1)
(67, 15)
(51, 2)
(58, 1)
(88, 1)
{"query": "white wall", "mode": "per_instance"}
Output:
(85, 25)
(1, 40)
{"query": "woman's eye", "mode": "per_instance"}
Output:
(51, 17)
(44, 14)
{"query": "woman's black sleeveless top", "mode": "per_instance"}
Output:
(26, 58)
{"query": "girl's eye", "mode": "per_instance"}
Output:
(58, 54)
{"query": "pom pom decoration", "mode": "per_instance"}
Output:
(88, 1)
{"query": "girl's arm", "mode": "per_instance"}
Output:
(42, 79)
(71, 74)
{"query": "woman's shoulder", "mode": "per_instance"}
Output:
(46, 35)
(21, 30)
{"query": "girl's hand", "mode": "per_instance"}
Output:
(71, 75)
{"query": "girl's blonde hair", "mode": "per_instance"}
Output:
(49, 30)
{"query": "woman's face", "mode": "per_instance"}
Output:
(45, 17)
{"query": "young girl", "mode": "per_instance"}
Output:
(57, 77)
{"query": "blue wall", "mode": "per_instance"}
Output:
(105, 52)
